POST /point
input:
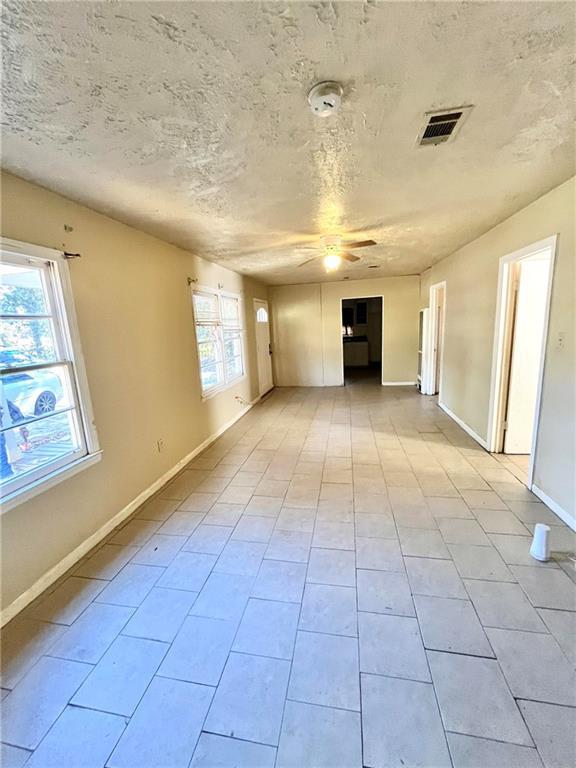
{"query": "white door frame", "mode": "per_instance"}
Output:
(430, 361)
(255, 303)
(499, 363)
(360, 298)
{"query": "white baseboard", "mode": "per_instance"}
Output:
(464, 426)
(556, 508)
(398, 383)
(52, 575)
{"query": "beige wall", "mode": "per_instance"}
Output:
(307, 329)
(471, 274)
(135, 317)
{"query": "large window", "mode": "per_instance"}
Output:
(219, 336)
(43, 418)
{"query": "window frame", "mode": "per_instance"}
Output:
(220, 326)
(69, 351)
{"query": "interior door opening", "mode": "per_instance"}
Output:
(362, 339)
(524, 300)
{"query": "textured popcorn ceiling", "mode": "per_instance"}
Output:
(189, 120)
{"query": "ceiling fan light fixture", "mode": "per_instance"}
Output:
(332, 262)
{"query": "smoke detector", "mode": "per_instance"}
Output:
(325, 98)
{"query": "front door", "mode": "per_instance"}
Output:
(263, 347)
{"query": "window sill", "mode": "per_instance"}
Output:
(217, 390)
(39, 486)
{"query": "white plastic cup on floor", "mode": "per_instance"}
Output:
(540, 549)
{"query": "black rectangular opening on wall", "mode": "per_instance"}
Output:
(362, 335)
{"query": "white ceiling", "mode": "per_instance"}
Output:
(189, 120)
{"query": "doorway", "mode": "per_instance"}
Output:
(436, 338)
(263, 346)
(524, 290)
(362, 339)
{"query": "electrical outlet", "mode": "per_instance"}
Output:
(160, 445)
(560, 340)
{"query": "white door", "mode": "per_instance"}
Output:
(263, 348)
(527, 338)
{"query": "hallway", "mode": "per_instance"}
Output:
(341, 579)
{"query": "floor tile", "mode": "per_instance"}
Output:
(500, 522)
(329, 609)
(29, 711)
(268, 628)
(450, 508)
(290, 546)
(379, 555)
(224, 596)
(294, 519)
(438, 578)
(471, 752)
(161, 614)
(375, 526)
(418, 517)
(131, 585)
(483, 500)
(553, 729)
(24, 641)
(277, 580)
(384, 592)
(181, 523)
(165, 727)
(515, 550)
(332, 566)
(392, 646)
(451, 625)
(333, 535)
(200, 502)
(475, 562)
(135, 532)
(534, 666)
(253, 528)
(66, 602)
(491, 713)
(82, 738)
(235, 495)
(325, 671)
(220, 752)
(530, 513)
(320, 736)
(416, 542)
(224, 514)
(249, 701)
(13, 757)
(562, 624)
(157, 509)
(106, 562)
(503, 605)
(199, 650)
(456, 531)
(92, 633)
(208, 539)
(390, 741)
(240, 558)
(546, 587)
(159, 550)
(117, 683)
(189, 570)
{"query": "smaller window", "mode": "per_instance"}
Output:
(261, 315)
(219, 337)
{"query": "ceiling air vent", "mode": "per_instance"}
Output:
(442, 125)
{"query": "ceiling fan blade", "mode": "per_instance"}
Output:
(303, 264)
(349, 256)
(361, 244)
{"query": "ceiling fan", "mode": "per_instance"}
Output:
(333, 250)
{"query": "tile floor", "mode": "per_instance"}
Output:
(341, 580)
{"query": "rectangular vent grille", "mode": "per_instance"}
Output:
(442, 126)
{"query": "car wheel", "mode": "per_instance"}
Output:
(45, 403)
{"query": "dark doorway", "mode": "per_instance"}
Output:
(362, 339)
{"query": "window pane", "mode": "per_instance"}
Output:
(211, 376)
(234, 368)
(261, 315)
(28, 448)
(29, 394)
(230, 311)
(232, 344)
(22, 291)
(205, 307)
(208, 353)
(24, 341)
